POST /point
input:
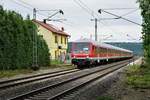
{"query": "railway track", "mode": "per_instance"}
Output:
(20, 81)
(61, 88)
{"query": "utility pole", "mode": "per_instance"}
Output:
(35, 51)
(34, 13)
(95, 20)
(35, 48)
(95, 29)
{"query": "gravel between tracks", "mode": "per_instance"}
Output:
(11, 92)
(95, 89)
(6, 94)
(110, 86)
(71, 84)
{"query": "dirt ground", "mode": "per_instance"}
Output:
(121, 91)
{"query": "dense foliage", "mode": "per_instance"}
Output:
(16, 42)
(145, 8)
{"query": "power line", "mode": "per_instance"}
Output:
(37, 8)
(119, 8)
(26, 5)
(130, 12)
(32, 7)
(117, 17)
(29, 8)
(84, 8)
(120, 17)
(92, 12)
(127, 35)
(95, 19)
(87, 9)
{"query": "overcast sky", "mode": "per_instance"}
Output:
(78, 15)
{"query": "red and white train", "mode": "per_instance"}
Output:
(85, 52)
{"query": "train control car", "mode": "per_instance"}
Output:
(86, 52)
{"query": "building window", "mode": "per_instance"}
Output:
(61, 40)
(56, 56)
(56, 39)
(65, 40)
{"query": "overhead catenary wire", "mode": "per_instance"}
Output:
(119, 8)
(26, 3)
(27, 6)
(101, 19)
(84, 8)
(130, 12)
(119, 17)
(20, 4)
(31, 7)
(38, 8)
(135, 9)
(94, 13)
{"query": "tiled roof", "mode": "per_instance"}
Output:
(51, 28)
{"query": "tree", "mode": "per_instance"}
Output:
(16, 42)
(145, 8)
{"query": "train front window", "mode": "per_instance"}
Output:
(81, 48)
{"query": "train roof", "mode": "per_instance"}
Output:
(103, 45)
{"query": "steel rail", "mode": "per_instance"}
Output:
(62, 94)
(24, 80)
(37, 91)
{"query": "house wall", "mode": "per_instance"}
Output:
(49, 37)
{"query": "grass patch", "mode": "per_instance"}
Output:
(138, 76)
(104, 98)
(56, 64)
(11, 73)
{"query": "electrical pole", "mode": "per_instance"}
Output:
(35, 48)
(95, 20)
(34, 13)
(35, 51)
(95, 29)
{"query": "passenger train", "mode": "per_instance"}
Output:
(86, 52)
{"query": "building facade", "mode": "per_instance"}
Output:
(56, 39)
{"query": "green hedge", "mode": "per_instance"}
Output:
(145, 12)
(16, 42)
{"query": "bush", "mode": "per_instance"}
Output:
(138, 77)
(145, 12)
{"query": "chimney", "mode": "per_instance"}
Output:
(44, 21)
